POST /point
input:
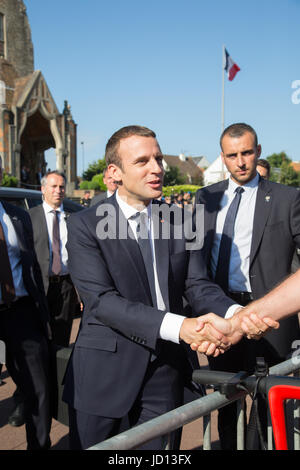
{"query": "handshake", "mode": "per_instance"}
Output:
(213, 335)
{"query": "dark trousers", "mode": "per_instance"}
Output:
(27, 357)
(161, 392)
(62, 300)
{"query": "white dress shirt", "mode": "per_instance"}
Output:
(171, 324)
(62, 233)
(241, 245)
(13, 254)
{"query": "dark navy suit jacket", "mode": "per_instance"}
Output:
(31, 270)
(120, 327)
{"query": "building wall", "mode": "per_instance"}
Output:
(18, 50)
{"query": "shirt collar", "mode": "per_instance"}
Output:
(48, 208)
(130, 211)
(248, 186)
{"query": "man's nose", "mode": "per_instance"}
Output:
(156, 167)
(240, 161)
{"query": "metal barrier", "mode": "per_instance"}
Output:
(202, 407)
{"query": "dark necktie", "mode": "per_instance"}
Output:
(145, 247)
(222, 270)
(56, 262)
(6, 278)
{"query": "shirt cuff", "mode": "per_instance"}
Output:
(170, 327)
(231, 311)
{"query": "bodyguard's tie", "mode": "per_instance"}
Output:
(56, 261)
(222, 270)
(145, 247)
(6, 277)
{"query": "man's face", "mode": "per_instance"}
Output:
(263, 172)
(109, 183)
(240, 155)
(142, 170)
(54, 190)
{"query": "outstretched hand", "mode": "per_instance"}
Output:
(203, 337)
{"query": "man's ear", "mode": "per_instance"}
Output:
(115, 172)
(258, 151)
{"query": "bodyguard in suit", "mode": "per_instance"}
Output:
(127, 359)
(50, 237)
(111, 186)
(24, 321)
(252, 227)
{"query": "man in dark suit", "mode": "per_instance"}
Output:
(250, 253)
(111, 186)
(50, 237)
(127, 359)
(24, 321)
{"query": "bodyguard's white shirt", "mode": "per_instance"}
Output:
(13, 254)
(240, 252)
(62, 233)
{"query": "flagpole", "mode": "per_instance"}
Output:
(223, 87)
(223, 101)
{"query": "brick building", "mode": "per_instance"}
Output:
(30, 122)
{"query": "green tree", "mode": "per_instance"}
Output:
(10, 181)
(94, 168)
(288, 175)
(277, 159)
(173, 176)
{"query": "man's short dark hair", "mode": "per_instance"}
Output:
(264, 164)
(112, 146)
(237, 130)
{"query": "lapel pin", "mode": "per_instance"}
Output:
(267, 198)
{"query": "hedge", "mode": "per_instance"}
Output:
(180, 188)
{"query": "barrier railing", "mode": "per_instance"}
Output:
(202, 407)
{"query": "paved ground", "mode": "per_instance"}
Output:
(12, 438)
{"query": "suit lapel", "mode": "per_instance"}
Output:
(43, 229)
(212, 207)
(262, 210)
(161, 245)
(129, 247)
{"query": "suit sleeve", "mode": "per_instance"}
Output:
(295, 219)
(202, 293)
(95, 284)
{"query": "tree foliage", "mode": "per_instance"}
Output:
(94, 168)
(173, 176)
(282, 170)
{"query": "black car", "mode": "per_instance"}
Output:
(28, 198)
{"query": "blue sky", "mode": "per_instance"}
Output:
(159, 64)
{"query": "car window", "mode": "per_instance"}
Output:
(32, 202)
(20, 202)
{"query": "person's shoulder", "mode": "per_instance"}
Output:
(14, 211)
(206, 191)
(281, 189)
(36, 210)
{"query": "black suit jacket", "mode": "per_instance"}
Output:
(120, 327)
(276, 234)
(31, 270)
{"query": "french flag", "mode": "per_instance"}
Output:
(230, 66)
